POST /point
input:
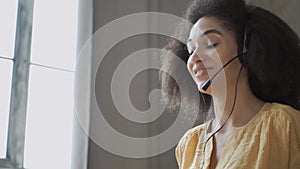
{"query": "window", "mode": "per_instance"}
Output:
(5, 79)
(8, 12)
(8, 16)
(36, 70)
(49, 119)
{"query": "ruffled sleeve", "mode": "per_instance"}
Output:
(185, 149)
(294, 146)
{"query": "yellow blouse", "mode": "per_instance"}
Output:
(270, 140)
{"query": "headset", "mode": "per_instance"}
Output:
(241, 56)
(242, 52)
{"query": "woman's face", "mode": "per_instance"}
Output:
(211, 46)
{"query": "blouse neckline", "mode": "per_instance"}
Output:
(251, 121)
(254, 118)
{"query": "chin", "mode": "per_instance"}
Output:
(208, 91)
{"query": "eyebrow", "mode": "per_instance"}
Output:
(208, 32)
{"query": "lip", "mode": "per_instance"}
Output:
(197, 68)
(200, 70)
(200, 73)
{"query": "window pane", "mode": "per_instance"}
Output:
(49, 119)
(54, 33)
(5, 79)
(8, 15)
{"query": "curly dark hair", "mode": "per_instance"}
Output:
(272, 61)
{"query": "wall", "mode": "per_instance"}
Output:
(106, 11)
(288, 10)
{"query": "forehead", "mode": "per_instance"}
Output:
(207, 22)
(204, 24)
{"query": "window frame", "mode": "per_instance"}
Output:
(19, 89)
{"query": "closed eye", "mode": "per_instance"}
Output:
(212, 45)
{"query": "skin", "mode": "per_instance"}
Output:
(209, 53)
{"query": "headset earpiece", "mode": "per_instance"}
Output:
(243, 50)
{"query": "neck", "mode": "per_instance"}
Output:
(246, 106)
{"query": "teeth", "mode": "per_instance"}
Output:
(199, 72)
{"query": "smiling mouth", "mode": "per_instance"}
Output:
(200, 72)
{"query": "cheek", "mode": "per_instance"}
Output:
(189, 65)
(221, 55)
(215, 57)
(230, 50)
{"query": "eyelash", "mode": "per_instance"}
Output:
(207, 47)
(212, 46)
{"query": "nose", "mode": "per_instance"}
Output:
(196, 57)
(193, 60)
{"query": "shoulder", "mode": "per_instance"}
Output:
(192, 134)
(274, 118)
(188, 142)
(281, 113)
(288, 121)
(283, 120)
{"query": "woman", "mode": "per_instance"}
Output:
(256, 123)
